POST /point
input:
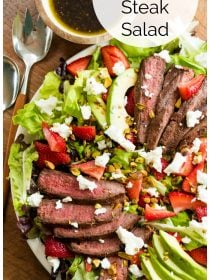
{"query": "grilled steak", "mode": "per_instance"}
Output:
(81, 214)
(166, 104)
(177, 129)
(127, 221)
(62, 184)
(144, 233)
(119, 271)
(147, 89)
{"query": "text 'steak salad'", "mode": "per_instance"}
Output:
(110, 175)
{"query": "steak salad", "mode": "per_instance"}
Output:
(110, 174)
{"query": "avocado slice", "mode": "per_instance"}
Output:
(148, 268)
(160, 251)
(116, 113)
(181, 258)
(98, 108)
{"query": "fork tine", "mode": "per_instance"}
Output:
(28, 24)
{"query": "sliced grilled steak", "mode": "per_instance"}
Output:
(147, 89)
(177, 129)
(143, 232)
(81, 214)
(119, 270)
(127, 221)
(166, 104)
(61, 184)
(109, 246)
(199, 131)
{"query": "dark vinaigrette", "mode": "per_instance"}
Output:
(77, 15)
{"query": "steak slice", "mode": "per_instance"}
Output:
(69, 213)
(61, 184)
(147, 89)
(119, 270)
(166, 104)
(177, 129)
(143, 232)
(125, 220)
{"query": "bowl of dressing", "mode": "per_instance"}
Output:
(73, 20)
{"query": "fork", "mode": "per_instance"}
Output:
(31, 43)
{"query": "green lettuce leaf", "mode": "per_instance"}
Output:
(181, 219)
(96, 60)
(122, 158)
(162, 189)
(77, 270)
(50, 86)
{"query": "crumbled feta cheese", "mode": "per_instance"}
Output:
(132, 242)
(86, 112)
(186, 240)
(117, 135)
(200, 226)
(148, 94)
(133, 268)
(100, 211)
(196, 145)
(101, 145)
(116, 175)
(67, 199)
(201, 58)
(164, 54)
(54, 263)
(148, 76)
(47, 105)
(58, 205)
(176, 164)
(178, 66)
(62, 129)
(101, 241)
(102, 160)
(105, 263)
(74, 224)
(68, 120)
(94, 87)
(129, 185)
(153, 192)
(193, 118)
(89, 260)
(118, 68)
(153, 157)
(202, 178)
(159, 207)
(202, 193)
(144, 87)
(35, 199)
(85, 184)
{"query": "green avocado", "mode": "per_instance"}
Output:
(148, 269)
(169, 263)
(98, 108)
(181, 258)
(116, 113)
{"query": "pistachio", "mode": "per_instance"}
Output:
(140, 106)
(113, 269)
(96, 262)
(151, 114)
(133, 164)
(75, 171)
(139, 160)
(111, 168)
(98, 206)
(147, 200)
(178, 103)
(144, 172)
(49, 164)
(96, 154)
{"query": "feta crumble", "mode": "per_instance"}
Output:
(176, 164)
(68, 120)
(153, 157)
(54, 263)
(196, 145)
(35, 199)
(94, 87)
(164, 54)
(148, 94)
(186, 240)
(202, 194)
(100, 211)
(129, 185)
(193, 118)
(153, 192)
(101, 241)
(133, 268)
(102, 160)
(47, 105)
(105, 263)
(132, 242)
(201, 58)
(62, 129)
(148, 76)
(101, 145)
(202, 178)
(89, 260)
(178, 66)
(74, 224)
(159, 207)
(58, 205)
(86, 112)
(116, 175)
(67, 199)
(85, 184)
(118, 68)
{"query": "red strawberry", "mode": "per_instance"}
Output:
(187, 166)
(78, 65)
(130, 106)
(91, 169)
(181, 201)
(105, 96)
(199, 255)
(45, 154)
(88, 266)
(84, 132)
(152, 214)
(112, 55)
(142, 198)
(55, 141)
(56, 248)
(160, 175)
(190, 182)
(190, 88)
(201, 211)
(134, 191)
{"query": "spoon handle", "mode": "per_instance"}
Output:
(21, 99)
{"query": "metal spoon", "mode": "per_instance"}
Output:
(11, 82)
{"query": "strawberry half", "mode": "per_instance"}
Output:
(91, 169)
(45, 154)
(199, 255)
(134, 191)
(152, 214)
(160, 175)
(201, 211)
(112, 55)
(130, 106)
(55, 141)
(55, 248)
(78, 65)
(84, 132)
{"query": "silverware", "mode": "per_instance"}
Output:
(11, 82)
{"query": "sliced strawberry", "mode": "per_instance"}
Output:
(45, 154)
(112, 55)
(190, 182)
(78, 65)
(201, 211)
(152, 214)
(88, 266)
(203, 148)
(199, 255)
(136, 258)
(190, 88)
(182, 201)
(176, 235)
(130, 102)
(105, 96)
(187, 166)
(84, 132)
(55, 141)
(56, 248)
(160, 175)
(134, 191)
(91, 169)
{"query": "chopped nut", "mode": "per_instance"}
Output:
(147, 200)
(143, 172)
(111, 168)
(133, 164)
(49, 164)
(139, 160)
(98, 206)
(154, 200)
(96, 262)
(117, 165)
(96, 154)
(113, 269)
(140, 106)
(75, 171)
(178, 103)
(151, 114)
